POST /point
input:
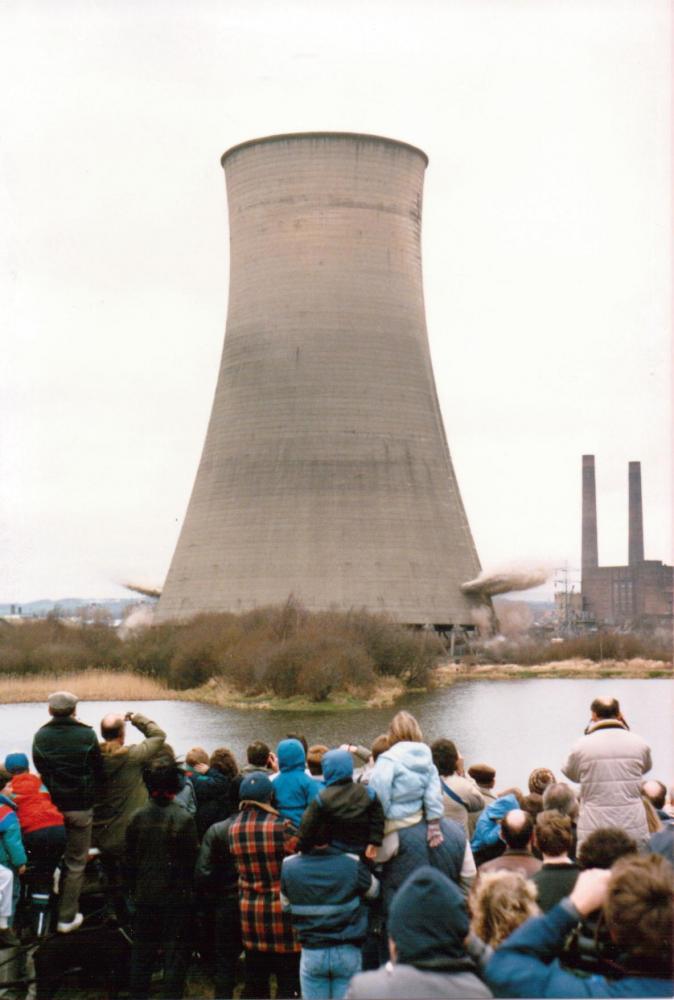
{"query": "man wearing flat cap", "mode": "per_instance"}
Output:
(68, 758)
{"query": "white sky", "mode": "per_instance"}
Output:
(546, 240)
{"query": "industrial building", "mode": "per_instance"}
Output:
(325, 472)
(632, 596)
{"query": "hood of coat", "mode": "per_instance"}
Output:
(290, 754)
(24, 785)
(428, 919)
(337, 766)
(414, 756)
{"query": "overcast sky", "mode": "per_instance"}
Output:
(546, 246)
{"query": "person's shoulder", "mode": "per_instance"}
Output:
(371, 985)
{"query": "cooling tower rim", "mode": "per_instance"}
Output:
(284, 136)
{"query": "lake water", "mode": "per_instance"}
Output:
(512, 725)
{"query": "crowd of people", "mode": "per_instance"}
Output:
(389, 871)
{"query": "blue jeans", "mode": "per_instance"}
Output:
(327, 972)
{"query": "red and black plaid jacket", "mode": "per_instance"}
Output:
(259, 840)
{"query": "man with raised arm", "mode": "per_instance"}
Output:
(123, 789)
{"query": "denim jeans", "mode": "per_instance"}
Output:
(327, 972)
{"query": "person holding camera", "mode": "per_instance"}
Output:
(122, 790)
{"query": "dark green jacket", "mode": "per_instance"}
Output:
(68, 758)
(161, 851)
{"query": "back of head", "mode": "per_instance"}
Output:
(638, 910)
(337, 767)
(197, 755)
(290, 755)
(258, 753)
(162, 777)
(605, 708)
(516, 829)
(532, 804)
(62, 704)
(428, 920)
(539, 778)
(112, 726)
(315, 756)
(561, 797)
(404, 728)
(604, 846)
(256, 787)
(5, 777)
(224, 761)
(445, 756)
(483, 774)
(301, 739)
(379, 746)
(655, 792)
(554, 835)
(499, 902)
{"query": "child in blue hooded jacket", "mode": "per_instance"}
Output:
(294, 789)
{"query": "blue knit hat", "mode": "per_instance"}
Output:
(15, 762)
(428, 919)
(256, 787)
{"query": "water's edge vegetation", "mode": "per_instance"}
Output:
(105, 685)
(288, 658)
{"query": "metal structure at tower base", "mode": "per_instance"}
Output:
(325, 473)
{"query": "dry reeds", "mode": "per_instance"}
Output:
(88, 685)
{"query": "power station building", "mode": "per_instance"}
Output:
(639, 594)
(325, 472)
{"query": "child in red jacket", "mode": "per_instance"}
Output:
(41, 822)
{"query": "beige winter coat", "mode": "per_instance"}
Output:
(609, 763)
(468, 792)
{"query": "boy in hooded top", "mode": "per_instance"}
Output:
(352, 811)
(294, 789)
(427, 925)
(42, 828)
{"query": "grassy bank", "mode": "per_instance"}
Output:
(636, 668)
(102, 685)
(89, 685)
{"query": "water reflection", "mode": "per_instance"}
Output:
(513, 725)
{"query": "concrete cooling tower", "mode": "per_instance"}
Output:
(325, 473)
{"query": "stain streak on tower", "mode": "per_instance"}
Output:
(325, 472)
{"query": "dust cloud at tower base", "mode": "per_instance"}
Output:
(325, 472)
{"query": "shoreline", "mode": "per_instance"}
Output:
(102, 685)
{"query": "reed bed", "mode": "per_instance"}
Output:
(88, 685)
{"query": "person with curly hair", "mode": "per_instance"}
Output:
(499, 902)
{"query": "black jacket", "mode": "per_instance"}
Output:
(350, 813)
(68, 758)
(216, 872)
(161, 849)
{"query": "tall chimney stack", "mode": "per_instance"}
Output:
(636, 515)
(590, 555)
